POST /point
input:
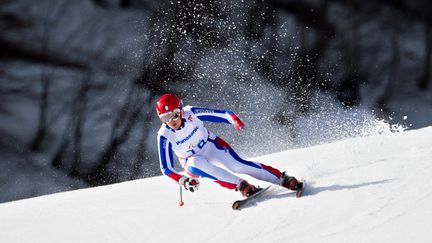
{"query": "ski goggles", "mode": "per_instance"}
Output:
(170, 115)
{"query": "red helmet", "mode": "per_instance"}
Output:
(167, 102)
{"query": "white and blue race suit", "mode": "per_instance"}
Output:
(201, 153)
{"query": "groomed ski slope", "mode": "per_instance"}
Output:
(372, 189)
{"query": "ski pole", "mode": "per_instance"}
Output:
(181, 203)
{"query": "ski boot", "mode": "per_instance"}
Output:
(247, 189)
(291, 183)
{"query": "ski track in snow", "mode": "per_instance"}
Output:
(374, 188)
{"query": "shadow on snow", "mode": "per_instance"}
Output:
(311, 190)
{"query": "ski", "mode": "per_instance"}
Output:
(239, 204)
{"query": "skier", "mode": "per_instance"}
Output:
(201, 153)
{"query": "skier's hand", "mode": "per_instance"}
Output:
(238, 124)
(191, 184)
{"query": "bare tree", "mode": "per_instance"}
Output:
(179, 29)
(79, 117)
(142, 153)
(425, 78)
(52, 11)
(304, 77)
(392, 68)
(99, 174)
(262, 27)
(68, 157)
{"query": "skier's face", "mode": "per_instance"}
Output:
(172, 118)
(174, 124)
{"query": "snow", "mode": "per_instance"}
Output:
(374, 188)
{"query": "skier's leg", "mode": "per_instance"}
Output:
(198, 166)
(221, 152)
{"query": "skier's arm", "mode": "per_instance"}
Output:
(213, 115)
(166, 158)
(167, 165)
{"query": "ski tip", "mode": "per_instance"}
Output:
(236, 205)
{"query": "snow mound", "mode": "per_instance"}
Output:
(375, 188)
